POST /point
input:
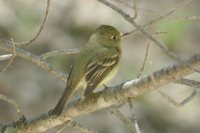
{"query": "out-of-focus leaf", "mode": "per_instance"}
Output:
(175, 31)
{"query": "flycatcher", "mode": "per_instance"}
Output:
(95, 65)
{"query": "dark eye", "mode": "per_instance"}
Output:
(114, 38)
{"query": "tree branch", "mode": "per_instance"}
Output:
(162, 16)
(13, 103)
(110, 96)
(41, 27)
(59, 52)
(161, 45)
(7, 46)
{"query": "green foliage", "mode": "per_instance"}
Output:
(175, 31)
(27, 22)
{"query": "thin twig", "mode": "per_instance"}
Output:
(146, 54)
(183, 81)
(184, 17)
(135, 9)
(136, 125)
(120, 116)
(181, 5)
(11, 59)
(41, 27)
(6, 46)
(14, 104)
(59, 52)
(145, 60)
(190, 97)
(80, 127)
(168, 14)
(137, 129)
(185, 101)
(148, 34)
(171, 16)
(139, 74)
(188, 82)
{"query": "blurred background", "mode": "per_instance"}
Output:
(69, 25)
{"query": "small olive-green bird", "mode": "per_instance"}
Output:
(95, 65)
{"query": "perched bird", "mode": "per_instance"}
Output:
(95, 65)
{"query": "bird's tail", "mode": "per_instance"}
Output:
(62, 101)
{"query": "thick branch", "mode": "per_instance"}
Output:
(111, 96)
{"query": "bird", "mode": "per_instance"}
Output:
(95, 65)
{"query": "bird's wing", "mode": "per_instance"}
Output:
(96, 71)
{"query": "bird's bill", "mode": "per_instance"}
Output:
(122, 36)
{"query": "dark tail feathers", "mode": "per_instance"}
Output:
(62, 101)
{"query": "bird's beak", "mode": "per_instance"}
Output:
(122, 36)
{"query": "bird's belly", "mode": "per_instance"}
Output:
(110, 76)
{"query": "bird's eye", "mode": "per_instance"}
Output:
(114, 38)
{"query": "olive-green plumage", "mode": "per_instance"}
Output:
(95, 65)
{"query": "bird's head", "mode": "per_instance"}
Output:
(106, 35)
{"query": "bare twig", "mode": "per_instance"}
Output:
(188, 82)
(183, 81)
(13, 103)
(135, 9)
(169, 99)
(181, 5)
(59, 52)
(11, 59)
(190, 97)
(5, 57)
(136, 125)
(184, 17)
(146, 54)
(185, 101)
(7, 46)
(115, 110)
(125, 120)
(171, 16)
(41, 27)
(80, 127)
(148, 34)
(145, 60)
